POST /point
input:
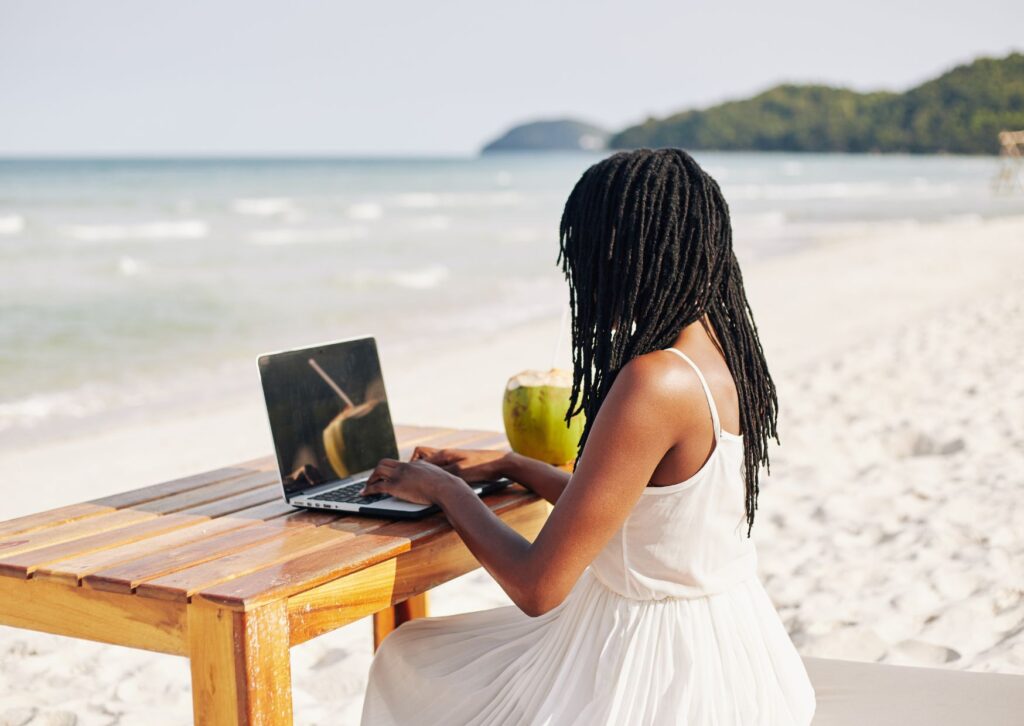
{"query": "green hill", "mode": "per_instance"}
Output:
(553, 135)
(961, 111)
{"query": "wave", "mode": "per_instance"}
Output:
(265, 206)
(775, 220)
(839, 190)
(11, 224)
(964, 219)
(432, 222)
(419, 200)
(366, 211)
(51, 414)
(419, 278)
(792, 168)
(294, 235)
(131, 267)
(182, 229)
(39, 408)
(525, 235)
(429, 200)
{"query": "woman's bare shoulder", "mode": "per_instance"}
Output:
(662, 381)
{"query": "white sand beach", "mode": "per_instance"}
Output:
(890, 530)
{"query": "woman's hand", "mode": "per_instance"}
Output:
(470, 465)
(414, 481)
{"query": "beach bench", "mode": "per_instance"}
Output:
(217, 568)
(873, 694)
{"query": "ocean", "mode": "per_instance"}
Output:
(132, 284)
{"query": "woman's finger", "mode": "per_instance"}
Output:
(374, 487)
(445, 456)
(423, 452)
(435, 456)
(384, 467)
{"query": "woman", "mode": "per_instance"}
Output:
(639, 601)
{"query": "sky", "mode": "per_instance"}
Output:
(226, 77)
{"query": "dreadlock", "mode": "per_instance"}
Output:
(646, 246)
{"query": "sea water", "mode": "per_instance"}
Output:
(133, 284)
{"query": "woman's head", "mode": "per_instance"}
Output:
(646, 246)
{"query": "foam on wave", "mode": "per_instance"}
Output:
(164, 230)
(11, 223)
(295, 235)
(265, 206)
(418, 278)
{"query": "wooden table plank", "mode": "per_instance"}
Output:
(405, 432)
(182, 584)
(209, 493)
(126, 576)
(238, 502)
(71, 531)
(270, 510)
(357, 523)
(447, 438)
(412, 435)
(51, 518)
(305, 571)
(183, 484)
(105, 617)
(72, 570)
(25, 563)
(463, 438)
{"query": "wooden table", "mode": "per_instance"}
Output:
(218, 568)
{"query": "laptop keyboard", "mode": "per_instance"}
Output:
(350, 494)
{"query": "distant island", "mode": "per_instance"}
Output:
(551, 135)
(960, 112)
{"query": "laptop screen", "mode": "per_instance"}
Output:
(328, 412)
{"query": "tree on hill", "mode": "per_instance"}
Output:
(961, 111)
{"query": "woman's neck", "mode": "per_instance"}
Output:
(698, 334)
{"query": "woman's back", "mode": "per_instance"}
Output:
(686, 539)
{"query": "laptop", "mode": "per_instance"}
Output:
(331, 425)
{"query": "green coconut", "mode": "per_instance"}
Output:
(534, 409)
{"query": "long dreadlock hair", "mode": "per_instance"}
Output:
(646, 246)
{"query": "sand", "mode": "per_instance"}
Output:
(891, 529)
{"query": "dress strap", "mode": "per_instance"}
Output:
(716, 424)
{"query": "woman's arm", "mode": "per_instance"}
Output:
(635, 427)
(542, 479)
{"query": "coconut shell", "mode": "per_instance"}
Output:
(534, 408)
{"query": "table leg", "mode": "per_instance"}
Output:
(241, 666)
(387, 620)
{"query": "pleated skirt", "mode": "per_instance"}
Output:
(597, 658)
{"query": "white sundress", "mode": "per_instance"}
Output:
(670, 624)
